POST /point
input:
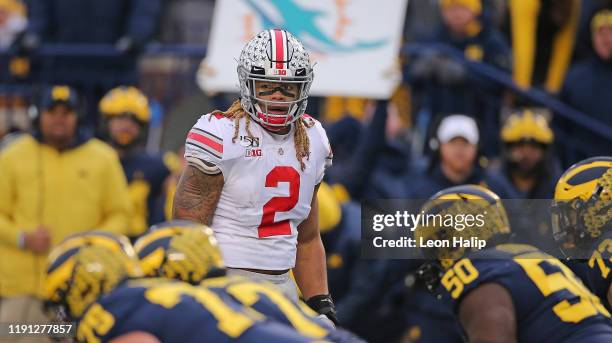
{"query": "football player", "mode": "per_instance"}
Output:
(254, 172)
(91, 280)
(582, 223)
(188, 252)
(127, 114)
(503, 292)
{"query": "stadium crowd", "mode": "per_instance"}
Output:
(76, 154)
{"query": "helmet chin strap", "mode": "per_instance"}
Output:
(273, 123)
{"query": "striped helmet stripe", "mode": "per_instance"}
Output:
(279, 50)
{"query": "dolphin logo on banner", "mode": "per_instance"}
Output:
(302, 23)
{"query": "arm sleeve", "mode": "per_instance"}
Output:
(116, 200)
(204, 146)
(9, 232)
(523, 22)
(143, 19)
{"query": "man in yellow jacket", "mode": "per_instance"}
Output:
(53, 183)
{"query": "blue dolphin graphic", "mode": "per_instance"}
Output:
(302, 23)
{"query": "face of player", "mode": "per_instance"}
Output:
(457, 18)
(458, 155)
(602, 42)
(276, 91)
(123, 130)
(527, 156)
(58, 125)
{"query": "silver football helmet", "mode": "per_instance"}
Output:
(274, 56)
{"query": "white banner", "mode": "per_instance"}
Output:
(355, 44)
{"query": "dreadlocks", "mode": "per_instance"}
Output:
(302, 143)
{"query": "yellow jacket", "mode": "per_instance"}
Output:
(75, 190)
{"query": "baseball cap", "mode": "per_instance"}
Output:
(458, 125)
(59, 94)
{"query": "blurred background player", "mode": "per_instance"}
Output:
(93, 279)
(582, 223)
(188, 252)
(127, 114)
(505, 292)
(238, 160)
(53, 182)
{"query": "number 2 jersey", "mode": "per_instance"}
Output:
(596, 272)
(174, 311)
(266, 194)
(550, 302)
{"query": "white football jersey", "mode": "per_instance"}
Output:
(266, 195)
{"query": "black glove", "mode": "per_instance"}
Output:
(323, 304)
(450, 72)
(424, 66)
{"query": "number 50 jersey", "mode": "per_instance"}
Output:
(266, 194)
(550, 302)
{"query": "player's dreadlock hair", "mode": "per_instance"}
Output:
(302, 143)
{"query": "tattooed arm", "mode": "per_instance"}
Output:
(197, 195)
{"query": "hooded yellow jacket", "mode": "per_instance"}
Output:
(75, 190)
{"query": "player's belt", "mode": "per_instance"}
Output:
(264, 271)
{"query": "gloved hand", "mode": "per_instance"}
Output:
(449, 71)
(424, 67)
(324, 305)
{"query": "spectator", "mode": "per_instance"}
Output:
(587, 89)
(53, 183)
(378, 160)
(127, 115)
(445, 83)
(543, 34)
(528, 162)
(128, 24)
(455, 161)
(13, 22)
(583, 47)
(527, 159)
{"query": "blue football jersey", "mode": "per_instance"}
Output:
(596, 272)
(266, 299)
(174, 311)
(550, 303)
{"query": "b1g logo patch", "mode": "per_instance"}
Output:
(253, 153)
